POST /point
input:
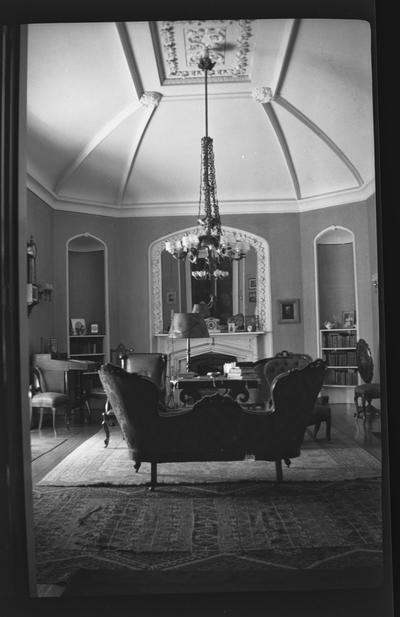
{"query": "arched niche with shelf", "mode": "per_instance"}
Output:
(87, 298)
(336, 309)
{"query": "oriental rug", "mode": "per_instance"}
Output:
(210, 532)
(91, 464)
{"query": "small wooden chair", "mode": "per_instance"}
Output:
(48, 400)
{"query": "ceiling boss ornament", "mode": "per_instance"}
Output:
(208, 249)
(262, 94)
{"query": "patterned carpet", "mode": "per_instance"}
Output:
(92, 464)
(226, 529)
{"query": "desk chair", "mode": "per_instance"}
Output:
(49, 400)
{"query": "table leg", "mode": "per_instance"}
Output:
(240, 392)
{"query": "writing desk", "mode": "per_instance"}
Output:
(195, 387)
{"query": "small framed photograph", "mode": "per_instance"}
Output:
(171, 297)
(348, 319)
(78, 326)
(94, 328)
(252, 283)
(252, 296)
(289, 311)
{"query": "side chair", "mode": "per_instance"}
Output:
(46, 397)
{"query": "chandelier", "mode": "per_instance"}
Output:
(209, 249)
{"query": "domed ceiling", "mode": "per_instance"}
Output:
(116, 112)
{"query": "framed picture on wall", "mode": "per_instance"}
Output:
(252, 295)
(289, 311)
(252, 283)
(78, 326)
(171, 297)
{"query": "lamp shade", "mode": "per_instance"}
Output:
(188, 325)
(202, 309)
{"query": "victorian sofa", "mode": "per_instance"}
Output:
(216, 428)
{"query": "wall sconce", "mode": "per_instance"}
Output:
(35, 292)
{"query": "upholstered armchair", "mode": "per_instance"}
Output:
(285, 361)
(216, 428)
(150, 365)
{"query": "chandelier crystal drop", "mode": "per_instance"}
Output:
(209, 248)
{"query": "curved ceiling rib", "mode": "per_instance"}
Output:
(283, 58)
(322, 135)
(149, 110)
(284, 145)
(93, 143)
(130, 58)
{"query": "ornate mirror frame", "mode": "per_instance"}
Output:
(263, 298)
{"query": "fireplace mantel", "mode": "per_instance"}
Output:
(246, 346)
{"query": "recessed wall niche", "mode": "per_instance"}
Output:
(87, 298)
(337, 315)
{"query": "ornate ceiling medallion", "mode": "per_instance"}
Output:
(180, 44)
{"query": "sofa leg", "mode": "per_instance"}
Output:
(153, 479)
(278, 467)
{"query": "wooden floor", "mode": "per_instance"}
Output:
(365, 434)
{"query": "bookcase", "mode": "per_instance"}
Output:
(87, 347)
(338, 349)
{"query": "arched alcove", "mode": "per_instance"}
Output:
(337, 308)
(87, 298)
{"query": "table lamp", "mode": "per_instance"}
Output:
(188, 326)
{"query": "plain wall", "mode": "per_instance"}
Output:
(40, 224)
(86, 287)
(336, 283)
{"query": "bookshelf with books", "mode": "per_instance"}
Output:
(338, 349)
(87, 347)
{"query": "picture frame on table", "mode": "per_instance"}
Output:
(94, 328)
(289, 310)
(78, 326)
(348, 319)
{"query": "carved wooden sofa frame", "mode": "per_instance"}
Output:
(216, 428)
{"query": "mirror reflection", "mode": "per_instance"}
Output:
(221, 298)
